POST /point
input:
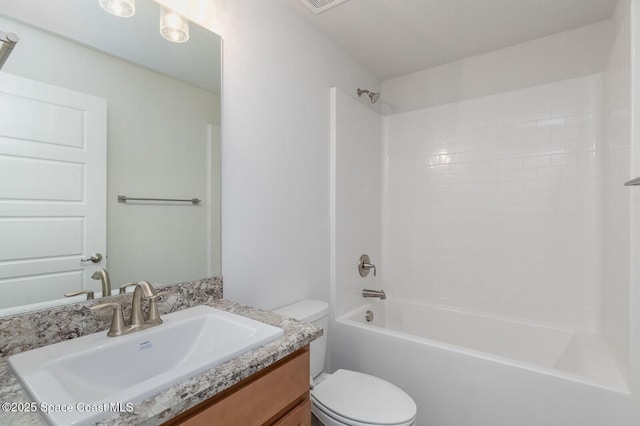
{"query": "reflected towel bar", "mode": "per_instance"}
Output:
(124, 199)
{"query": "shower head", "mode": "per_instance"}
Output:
(7, 43)
(374, 96)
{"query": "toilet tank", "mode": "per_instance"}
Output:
(317, 312)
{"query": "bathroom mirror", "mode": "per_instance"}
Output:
(162, 133)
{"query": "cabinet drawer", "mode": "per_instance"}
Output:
(299, 416)
(260, 399)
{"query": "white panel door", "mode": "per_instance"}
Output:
(53, 158)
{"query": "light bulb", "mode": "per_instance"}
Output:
(173, 27)
(122, 8)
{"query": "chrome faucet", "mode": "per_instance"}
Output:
(143, 288)
(137, 322)
(374, 293)
(102, 275)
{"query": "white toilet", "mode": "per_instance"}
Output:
(348, 397)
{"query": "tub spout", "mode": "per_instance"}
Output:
(374, 293)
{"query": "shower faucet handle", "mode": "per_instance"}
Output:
(368, 266)
(364, 265)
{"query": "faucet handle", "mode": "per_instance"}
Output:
(117, 321)
(364, 264)
(154, 313)
(123, 288)
(367, 266)
(89, 293)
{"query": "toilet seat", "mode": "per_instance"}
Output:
(358, 399)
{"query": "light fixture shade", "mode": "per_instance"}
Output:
(122, 8)
(173, 27)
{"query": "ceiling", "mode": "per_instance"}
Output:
(396, 37)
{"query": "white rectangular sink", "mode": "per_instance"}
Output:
(80, 373)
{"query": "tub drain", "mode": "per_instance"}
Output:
(368, 316)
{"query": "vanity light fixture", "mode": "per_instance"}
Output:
(173, 27)
(122, 8)
(7, 42)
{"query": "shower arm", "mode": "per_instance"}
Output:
(373, 96)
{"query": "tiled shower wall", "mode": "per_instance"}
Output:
(494, 204)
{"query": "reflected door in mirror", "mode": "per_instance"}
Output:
(52, 149)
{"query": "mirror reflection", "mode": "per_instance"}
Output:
(92, 107)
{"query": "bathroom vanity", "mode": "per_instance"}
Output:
(267, 385)
(277, 395)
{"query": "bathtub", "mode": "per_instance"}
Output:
(468, 369)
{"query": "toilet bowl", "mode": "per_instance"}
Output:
(348, 397)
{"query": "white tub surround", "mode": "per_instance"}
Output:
(502, 229)
(494, 204)
(457, 381)
(581, 357)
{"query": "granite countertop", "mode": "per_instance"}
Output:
(181, 397)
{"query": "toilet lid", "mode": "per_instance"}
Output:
(364, 399)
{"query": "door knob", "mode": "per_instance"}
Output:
(95, 258)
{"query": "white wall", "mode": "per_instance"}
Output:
(356, 191)
(616, 170)
(157, 131)
(570, 54)
(275, 147)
